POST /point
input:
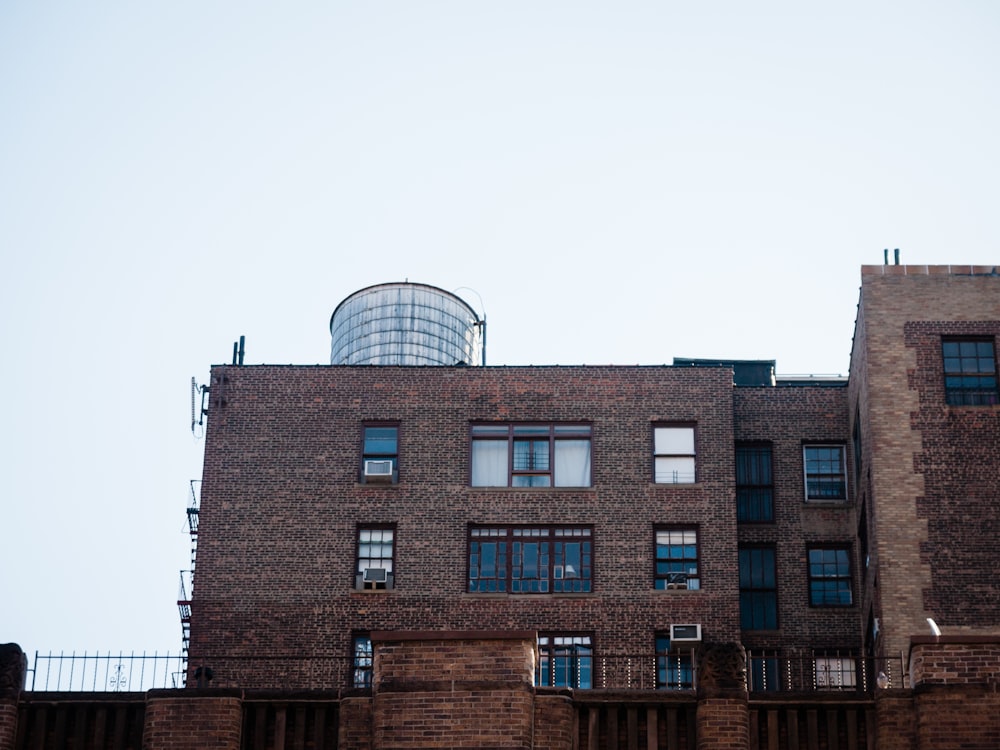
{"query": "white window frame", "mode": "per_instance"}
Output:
(674, 454)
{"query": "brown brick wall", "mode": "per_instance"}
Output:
(787, 418)
(553, 729)
(955, 718)
(932, 468)
(280, 504)
(8, 722)
(723, 724)
(194, 722)
(355, 727)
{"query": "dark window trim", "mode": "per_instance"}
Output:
(377, 456)
(971, 396)
(510, 537)
(683, 666)
(677, 527)
(682, 424)
(553, 436)
(391, 582)
(838, 547)
(845, 499)
(360, 673)
(755, 444)
(578, 660)
(777, 604)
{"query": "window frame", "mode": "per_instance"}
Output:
(760, 493)
(824, 478)
(667, 455)
(554, 582)
(516, 434)
(817, 579)
(682, 668)
(754, 595)
(379, 455)
(359, 583)
(671, 579)
(362, 661)
(840, 663)
(579, 664)
(970, 390)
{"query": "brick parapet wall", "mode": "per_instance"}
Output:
(955, 660)
(723, 724)
(200, 720)
(553, 722)
(354, 731)
(895, 720)
(957, 718)
(8, 722)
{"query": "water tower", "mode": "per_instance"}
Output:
(406, 324)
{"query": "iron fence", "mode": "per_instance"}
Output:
(824, 671)
(106, 673)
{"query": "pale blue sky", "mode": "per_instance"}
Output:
(619, 182)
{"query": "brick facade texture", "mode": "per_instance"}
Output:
(929, 471)
(192, 723)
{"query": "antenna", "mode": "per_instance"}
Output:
(198, 416)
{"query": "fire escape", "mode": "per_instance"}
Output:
(187, 576)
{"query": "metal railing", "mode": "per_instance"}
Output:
(823, 672)
(106, 673)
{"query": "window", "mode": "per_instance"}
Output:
(673, 455)
(970, 372)
(531, 455)
(361, 662)
(825, 475)
(565, 661)
(380, 453)
(677, 559)
(763, 674)
(375, 554)
(754, 484)
(830, 577)
(758, 589)
(674, 668)
(529, 560)
(835, 672)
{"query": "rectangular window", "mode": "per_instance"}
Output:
(826, 477)
(673, 454)
(754, 484)
(970, 372)
(674, 668)
(565, 661)
(763, 674)
(380, 453)
(677, 559)
(758, 589)
(830, 577)
(361, 662)
(835, 672)
(529, 560)
(375, 556)
(531, 455)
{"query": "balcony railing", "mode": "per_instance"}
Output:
(766, 673)
(106, 673)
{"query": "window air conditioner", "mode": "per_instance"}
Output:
(378, 468)
(685, 633)
(375, 575)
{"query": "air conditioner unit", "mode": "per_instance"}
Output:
(375, 469)
(375, 575)
(685, 633)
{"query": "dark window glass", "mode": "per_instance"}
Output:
(674, 668)
(825, 475)
(830, 577)
(375, 557)
(530, 560)
(763, 674)
(758, 589)
(565, 661)
(380, 453)
(754, 484)
(677, 559)
(361, 663)
(970, 372)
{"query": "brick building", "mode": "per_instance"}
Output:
(697, 555)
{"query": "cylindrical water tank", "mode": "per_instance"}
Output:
(406, 324)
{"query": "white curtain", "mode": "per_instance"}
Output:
(489, 463)
(571, 467)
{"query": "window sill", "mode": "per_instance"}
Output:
(369, 592)
(672, 592)
(589, 488)
(675, 485)
(478, 595)
(828, 503)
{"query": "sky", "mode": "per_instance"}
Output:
(609, 183)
